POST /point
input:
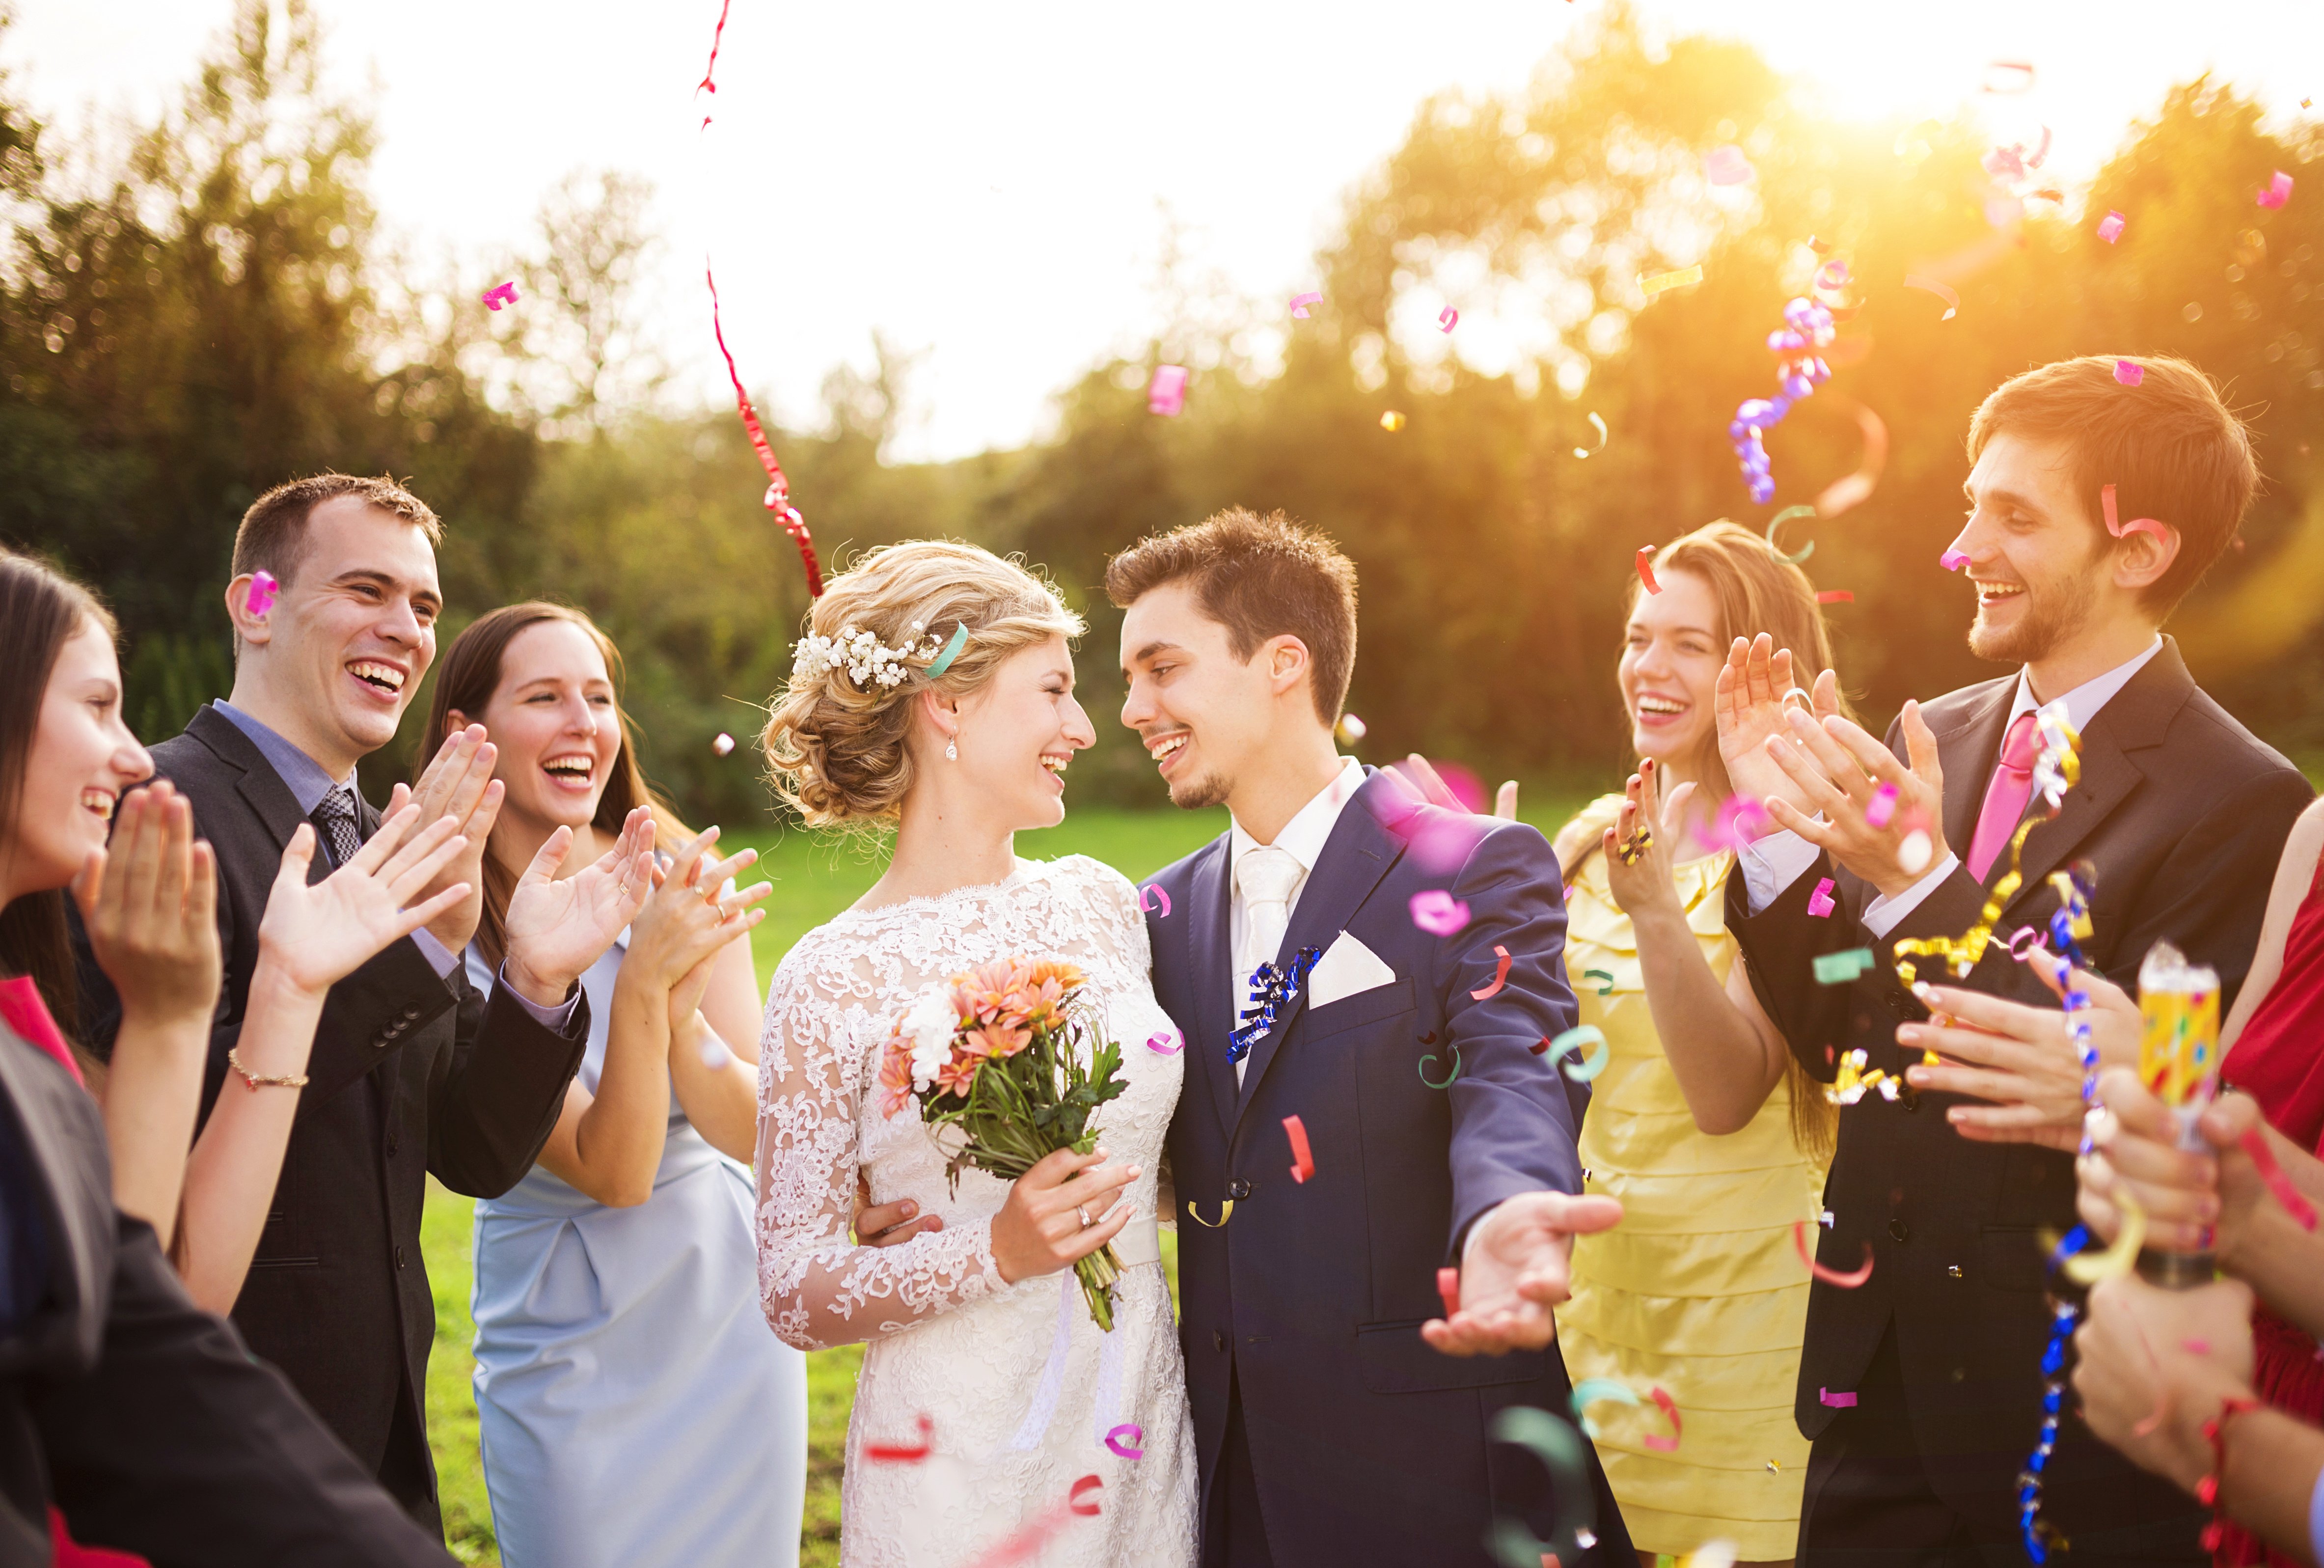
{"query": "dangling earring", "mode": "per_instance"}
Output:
(952, 751)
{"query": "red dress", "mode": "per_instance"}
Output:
(2278, 1062)
(24, 1011)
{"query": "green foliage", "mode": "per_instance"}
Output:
(218, 314)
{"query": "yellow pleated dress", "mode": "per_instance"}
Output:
(1699, 1290)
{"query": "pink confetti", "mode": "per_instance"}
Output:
(1655, 1440)
(1953, 561)
(1835, 596)
(1123, 1445)
(1166, 394)
(2295, 1204)
(2110, 227)
(1742, 821)
(2008, 76)
(1501, 976)
(1727, 165)
(1299, 303)
(2194, 1347)
(1448, 318)
(2278, 192)
(1438, 912)
(1073, 1503)
(1161, 898)
(1646, 569)
(2113, 526)
(1881, 807)
(1303, 1161)
(1833, 275)
(1164, 1044)
(1852, 1280)
(1820, 902)
(1448, 1288)
(1836, 1401)
(2129, 373)
(500, 294)
(262, 591)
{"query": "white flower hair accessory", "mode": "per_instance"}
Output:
(867, 660)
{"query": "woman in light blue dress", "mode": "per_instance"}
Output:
(635, 1410)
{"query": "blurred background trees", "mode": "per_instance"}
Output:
(216, 312)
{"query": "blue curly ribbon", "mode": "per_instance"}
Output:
(1271, 991)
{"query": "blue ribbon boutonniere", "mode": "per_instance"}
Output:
(1271, 990)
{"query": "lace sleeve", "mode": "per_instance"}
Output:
(817, 1288)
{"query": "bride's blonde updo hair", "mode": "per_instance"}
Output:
(835, 749)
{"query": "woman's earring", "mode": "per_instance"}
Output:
(952, 751)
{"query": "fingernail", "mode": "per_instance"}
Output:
(910, 1208)
(1917, 1077)
(1907, 1033)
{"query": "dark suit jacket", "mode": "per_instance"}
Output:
(2182, 813)
(141, 1417)
(410, 1074)
(1367, 1445)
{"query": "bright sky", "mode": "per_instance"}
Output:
(988, 184)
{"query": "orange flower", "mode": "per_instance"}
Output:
(895, 1076)
(997, 1039)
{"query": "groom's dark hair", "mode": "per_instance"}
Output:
(1259, 578)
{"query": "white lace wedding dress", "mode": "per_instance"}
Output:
(1017, 1386)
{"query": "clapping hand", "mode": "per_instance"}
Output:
(1835, 767)
(459, 785)
(149, 902)
(555, 928)
(1650, 825)
(2019, 1058)
(688, 921)
(1749, 702)
(316, 935)
(1515, 1270)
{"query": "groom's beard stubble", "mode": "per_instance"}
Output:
(1200, 794)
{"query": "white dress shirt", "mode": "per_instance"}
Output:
(1303, 839)
(1777, 862)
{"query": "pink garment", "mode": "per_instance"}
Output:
(2004, 798)
(22, 1009)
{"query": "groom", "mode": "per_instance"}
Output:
(1334, 1422)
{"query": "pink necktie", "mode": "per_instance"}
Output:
(2004, 798)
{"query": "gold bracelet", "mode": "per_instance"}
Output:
(258, 1081)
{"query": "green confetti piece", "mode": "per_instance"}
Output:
(1840, 968)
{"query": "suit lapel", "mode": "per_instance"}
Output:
(270, 798)
(2135, 719)
(1211, 969)
(1356, 856)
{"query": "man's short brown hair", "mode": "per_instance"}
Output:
(274, 532)
(1259, 578)
(2170, 446)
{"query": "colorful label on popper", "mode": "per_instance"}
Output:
(2179, 1038)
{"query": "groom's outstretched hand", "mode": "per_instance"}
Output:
(1515, 1270)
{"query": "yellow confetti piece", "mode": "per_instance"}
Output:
(1661, 281)
(1226, 1213)
(1391, 420)
(2089, 1268)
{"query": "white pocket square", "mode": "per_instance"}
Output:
(1347, 967)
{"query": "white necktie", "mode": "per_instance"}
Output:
(1263, 879)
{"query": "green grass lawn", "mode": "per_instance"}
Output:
(815, 879)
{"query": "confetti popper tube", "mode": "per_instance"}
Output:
(2179, 1063)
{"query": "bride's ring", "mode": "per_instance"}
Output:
(1083, 1212)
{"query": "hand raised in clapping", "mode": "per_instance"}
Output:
(686, 921)
(458, 787)
(1748, 703)
(315, 935)
(149, 902)
(557, 927)
(1648, 826)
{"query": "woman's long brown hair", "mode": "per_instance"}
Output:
(41, 610)
(1756, 590)
(466, 680)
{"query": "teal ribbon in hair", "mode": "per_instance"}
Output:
(951, 650)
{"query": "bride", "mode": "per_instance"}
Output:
(935, 692)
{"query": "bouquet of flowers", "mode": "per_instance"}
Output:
(1009, 1056)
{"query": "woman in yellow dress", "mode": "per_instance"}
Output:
(1699, 1291)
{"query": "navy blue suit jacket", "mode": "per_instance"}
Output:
(1367, 1445)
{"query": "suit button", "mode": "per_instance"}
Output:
(1901, 1231)
(1218, 1339)
(399, 1257)
(410, 1014)
(1240, 1189)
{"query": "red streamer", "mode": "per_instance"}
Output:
(901, 1453)
(1448, 1285)
(1647, 569)
(712, 70)
(779, 489)
(1302, 1162)
(1670, 1407)
(1088, 1484)
(1501, 976)
(1834, 596)
(1849, 1281)
(2296, 1204)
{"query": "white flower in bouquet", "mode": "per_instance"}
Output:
(930, 1027)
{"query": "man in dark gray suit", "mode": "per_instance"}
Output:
(413, 1072)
